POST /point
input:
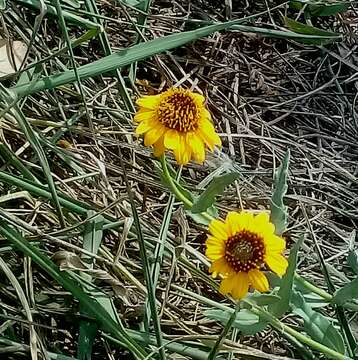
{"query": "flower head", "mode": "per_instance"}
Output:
(176, 120)
(240, 247)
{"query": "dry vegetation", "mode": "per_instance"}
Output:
(266, 95)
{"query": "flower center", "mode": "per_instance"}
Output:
(245, 251)
(178, 111)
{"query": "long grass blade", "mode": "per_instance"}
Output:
(64, 279)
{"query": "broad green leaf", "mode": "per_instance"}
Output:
(216, 187)
(346, 293)
(2, 5)
(245, 321)
(311, 298)
(263, 299)
(278, 208)
(352, 260)
(201, 218)
(280, 307)
(318, 327)
(305, 29)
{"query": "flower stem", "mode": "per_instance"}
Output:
(309, 286)
(274, 322)
(176, 191)
(323, 294)
(278, 325)
(173, 187)
(222, 337)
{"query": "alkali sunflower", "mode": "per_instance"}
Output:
(239, 249)
(176, 120)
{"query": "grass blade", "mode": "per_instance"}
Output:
(92, 238)
(39, 151)
(65, 279)
(121, 58)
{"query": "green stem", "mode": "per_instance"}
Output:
(176, 191)
(173, 187)
(323, 294)
(222, 337)
(278, 325)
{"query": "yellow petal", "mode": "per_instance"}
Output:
(208, 134)
(233, 222)
(226, 285)
(218, 229)
(149, 101)
(198, 98)
(182, 152)
(220, 266)
(245, 220)
(258, 280)
(277, 263)
(171, 139)
(153, 135)
(274, 243)
(143, 127)
(144, 116)
(215, 248)
(158, 147)
(240, 285)
(262, 222)
(197, 147)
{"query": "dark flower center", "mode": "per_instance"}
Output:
(244, 251)
(179, 111)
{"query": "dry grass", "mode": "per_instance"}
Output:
(266, 95)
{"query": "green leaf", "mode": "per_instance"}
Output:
(121, 58)
(321, 8)
(66, 280)
(352, 260)
(200, 218)
(216, 187)
(280, 307)
(69, 16)
(346, 293)
(289, 35)
(278, 208)
(33, 139)
(92, 238)
(305, 29)
(328, 9)
(2, 5)
(318, 327)
(245, 321)
(263, 299)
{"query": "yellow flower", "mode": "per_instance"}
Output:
(176, 120)
(240, 247)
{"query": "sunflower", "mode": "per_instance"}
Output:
(240, 247)
(176, 120)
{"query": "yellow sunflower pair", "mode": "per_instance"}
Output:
(239, 247)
